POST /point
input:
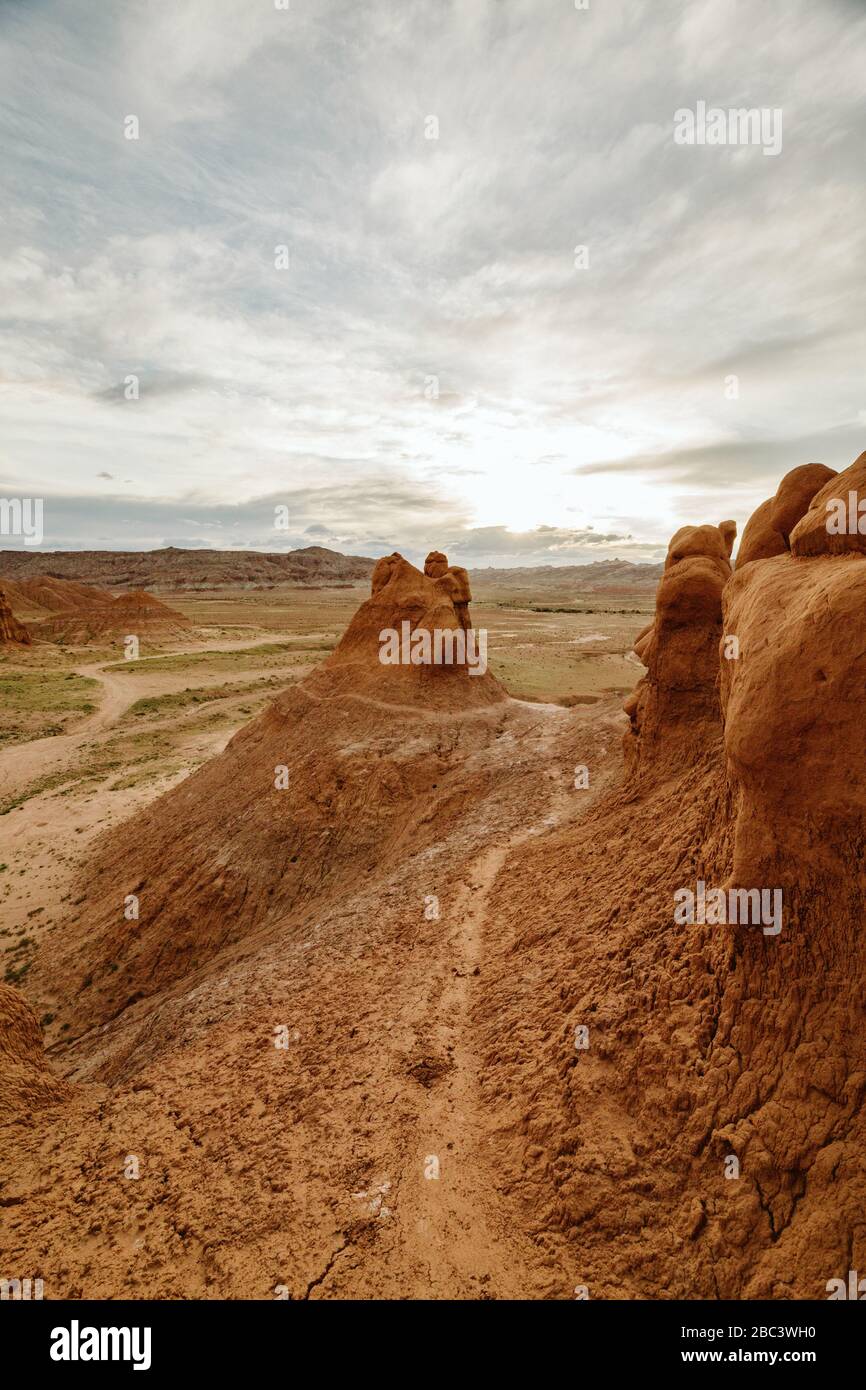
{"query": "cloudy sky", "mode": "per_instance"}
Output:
(435, 365)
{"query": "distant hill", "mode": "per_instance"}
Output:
(175, 569)
(601, 577)
(34, 598)
(133, 611)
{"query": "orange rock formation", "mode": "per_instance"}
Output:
(768, 530)
(680, 647)
(134, 613)
(12, 633)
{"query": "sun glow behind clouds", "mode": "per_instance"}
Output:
(507, 470)
(414, 260)
(548, 493)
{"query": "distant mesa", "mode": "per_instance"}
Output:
(616, 578)
(176, 569)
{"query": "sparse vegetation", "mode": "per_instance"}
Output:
(265, 656)
(38, 704)
(160, 706)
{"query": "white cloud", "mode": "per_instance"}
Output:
(566, 398)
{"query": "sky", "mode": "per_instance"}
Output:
(426, 273)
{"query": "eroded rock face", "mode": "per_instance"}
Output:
(383, 570)
(793, 700)
(56, 595)
(795, 746)
(768, 530)
(136, 612)
(454, 581)
(12, 633)
(676, 702)
(793, 713)
(26, 1083)
(433, 602)
(717, 1046)
(141, 608)
(436, 564)
(832, 524)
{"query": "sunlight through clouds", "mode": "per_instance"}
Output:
(502, 289)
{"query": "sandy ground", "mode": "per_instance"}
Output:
(22, 764)
(47, 836)
(432, 1127)
(51, 831)
(390, 1182)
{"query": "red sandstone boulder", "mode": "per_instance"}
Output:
(677, 699)
(422, 610)
(832, 525)
(768, 530)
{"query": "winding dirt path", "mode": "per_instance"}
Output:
(456, 1235)
(24, 764)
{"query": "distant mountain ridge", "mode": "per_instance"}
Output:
(176, 569)
(600, 576)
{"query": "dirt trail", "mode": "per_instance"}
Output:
(452, 1235)
(48, 833)
(23, 764)
(455, 1234)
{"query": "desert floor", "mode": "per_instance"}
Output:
(87, 738)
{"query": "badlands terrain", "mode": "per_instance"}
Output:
(332, 979)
